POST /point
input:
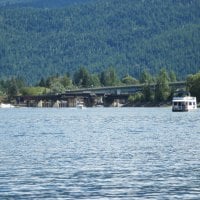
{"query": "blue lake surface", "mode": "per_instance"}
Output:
(99, 153)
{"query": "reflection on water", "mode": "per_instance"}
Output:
(127, 153)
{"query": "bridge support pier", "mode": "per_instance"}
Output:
(40, 104)
(108, 101)
(56, 104)
(71, 102)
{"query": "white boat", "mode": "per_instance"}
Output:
(184, 102)
(80, 105)
(6, 105)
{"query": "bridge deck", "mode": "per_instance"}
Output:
(90, 94)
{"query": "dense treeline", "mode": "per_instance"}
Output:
(193, 85)
(130, 35)
(83, 79)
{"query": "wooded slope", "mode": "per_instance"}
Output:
(130, 35)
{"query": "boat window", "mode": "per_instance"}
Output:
(190, 103)
(175, 103)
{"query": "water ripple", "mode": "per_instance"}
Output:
(130, 153)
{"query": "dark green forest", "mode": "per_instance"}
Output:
(128, 35)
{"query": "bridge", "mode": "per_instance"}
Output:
(130, 89)
(105, 96)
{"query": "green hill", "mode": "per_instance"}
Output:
(130, 35)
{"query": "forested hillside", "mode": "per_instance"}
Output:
(129, 35)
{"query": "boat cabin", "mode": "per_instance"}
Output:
(184, 102)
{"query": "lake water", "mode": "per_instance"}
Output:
(99, 153)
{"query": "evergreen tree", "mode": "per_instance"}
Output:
(12, 88)
(66, 81)
(109, 77)
(162, 90)
(193, 85)
(172, 76)
(82, 78)
(146, 79)
(94, 80)
(57, 87)
(42, 83)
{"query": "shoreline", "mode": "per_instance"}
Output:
(149, 104)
